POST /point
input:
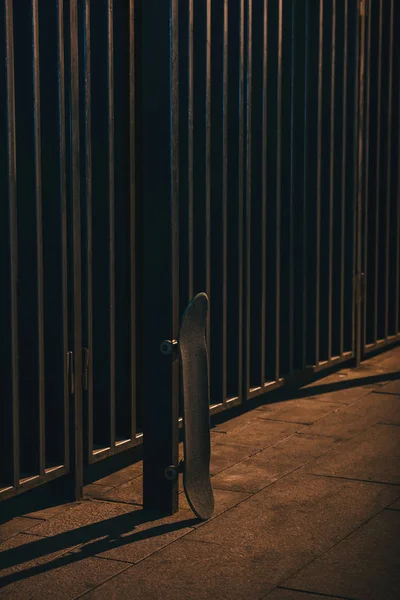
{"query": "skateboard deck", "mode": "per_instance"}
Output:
(196, 416)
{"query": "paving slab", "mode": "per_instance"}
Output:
(51, 511)
(233, 423)
(373, 455)
(389, 358)
(255, 473)
(117, 531)
(260, 433)
(285, 594)
(94, 490)
(335, 393)
(130, 492)
(122, 476)
(365, 565)
(369, 375)
(294, 520)
(189, 570)
(139, 540)
(392, 388)
(351, 420)
(53, 574)
(225, 455)
(86, 520)
(15, 526)
(224, 500)
(22, 554)
(304, 410)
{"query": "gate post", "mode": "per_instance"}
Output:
(157, 119)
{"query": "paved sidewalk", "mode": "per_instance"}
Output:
(307, 506)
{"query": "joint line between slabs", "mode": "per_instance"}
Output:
(352, 479)
(281, 587)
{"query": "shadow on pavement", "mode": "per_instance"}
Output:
(315, 390)
(111, 533)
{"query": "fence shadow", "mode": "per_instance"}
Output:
(295, 392)
(84, 542)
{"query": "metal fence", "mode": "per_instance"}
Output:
(67, 245)
(380, 185)
(153, 149)
(34, 261)
(268, 110)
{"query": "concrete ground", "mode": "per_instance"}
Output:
(307, 507)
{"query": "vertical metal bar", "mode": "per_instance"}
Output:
(357, 185)
(331, 174)
(397, 261)
(111, 193)
(12, 199)
(248, 196)
(240, 200)
(378, 160)
(264, 193)
(366, 182)
(207, 161)
(63, 200)
(39, 232)
(305, 183)
(132, 205)
(278, 194)
(190, 151)
(76, 241)
(225, 204)
(318, 210)
(388, 172)
(343, 182)
(160, 243)
(292, 191)
(360, 120)
(89, 219)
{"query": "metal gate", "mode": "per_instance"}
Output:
(152, 149)
(37, 253)
(68, 382)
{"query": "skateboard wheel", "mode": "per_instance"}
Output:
(168, 346)
(170, 473)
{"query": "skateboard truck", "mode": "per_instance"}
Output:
(168, 346)
(192, 347)
(171, 472)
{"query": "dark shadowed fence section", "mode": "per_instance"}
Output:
(108, 202)
(154, 149)
(381, 177)
(268, 146)
(35, 337)
(67, 235)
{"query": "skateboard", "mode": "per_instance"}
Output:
(196, 407)
(193, 354)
